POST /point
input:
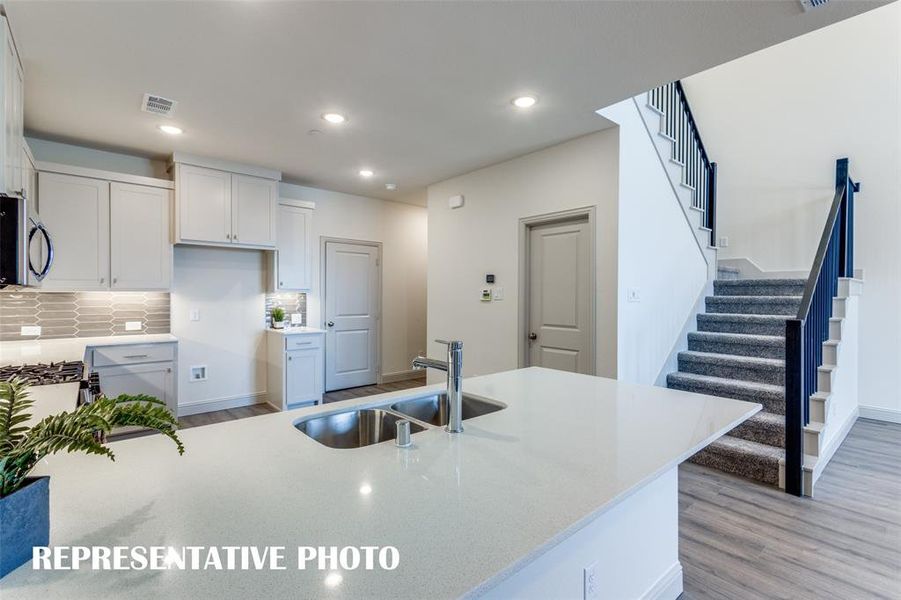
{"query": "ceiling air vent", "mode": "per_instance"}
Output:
(158, 105)
(811, 4)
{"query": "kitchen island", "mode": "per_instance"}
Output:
(575, 472)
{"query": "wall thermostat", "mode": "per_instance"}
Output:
(486, 295)
(489, 278)
(455, 201)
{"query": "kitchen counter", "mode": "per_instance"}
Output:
(467, 512)
(295, 330)
(64, 349)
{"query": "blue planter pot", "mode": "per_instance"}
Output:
(24, 522)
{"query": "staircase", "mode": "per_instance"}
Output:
(738, 352)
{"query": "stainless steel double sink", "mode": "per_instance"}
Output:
(361, 427)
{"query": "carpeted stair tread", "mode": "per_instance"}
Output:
(742, 457)
(741, 344)
(759, 287)
(772, 397)
(739, 323)
(756, 305)
(764, 428)
(732, 366)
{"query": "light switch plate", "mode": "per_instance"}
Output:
(195, 314)
(30, 330)
(724, 242)
(591, 585)
(498, 293)
(133, 325)
(634, 295)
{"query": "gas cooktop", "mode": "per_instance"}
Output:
(45, 374)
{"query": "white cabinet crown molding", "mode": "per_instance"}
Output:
(223, 165)
(297, 203)
(51, 167)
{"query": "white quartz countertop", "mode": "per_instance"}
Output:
(295, 330)
(464, 511)
(65, 349)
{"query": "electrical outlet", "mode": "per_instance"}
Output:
(634, 295)
(133, 325)
(30, 330)
(591, 583)
(296, 319)
(195, 314)
(724, 242)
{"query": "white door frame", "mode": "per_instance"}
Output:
(323, 240)
(525, 226)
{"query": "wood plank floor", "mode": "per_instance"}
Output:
(743, 540)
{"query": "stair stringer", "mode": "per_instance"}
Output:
(834, 407)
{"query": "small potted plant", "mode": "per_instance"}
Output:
(278, 317)
(24, 500)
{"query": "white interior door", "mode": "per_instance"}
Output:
(352, 308)
(560, 297)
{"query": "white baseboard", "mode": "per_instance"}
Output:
(203, 406)
(751, 270)
(889, 415)
(668, 587)
(403, 375)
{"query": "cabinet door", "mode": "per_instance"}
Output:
(13, 97)
(140, 248)
(293, 268)
(154, 379)
(76, 213)
(204, 204)
(254, 202)
(303, 376)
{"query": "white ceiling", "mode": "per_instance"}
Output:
(426, 86)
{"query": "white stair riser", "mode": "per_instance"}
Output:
(824, 379)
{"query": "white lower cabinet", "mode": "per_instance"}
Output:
(137, 369)
(296, 368)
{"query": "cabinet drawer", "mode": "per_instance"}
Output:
(302, 342)
(132, 355)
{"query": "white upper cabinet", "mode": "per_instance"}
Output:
(254, 204)
(140, 245)
(76, 211)
(221, 203)
(204, 199)
(12, 114)
(294, 253)
(106, 234)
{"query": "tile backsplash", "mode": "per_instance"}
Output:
(292, 302)
(81, 314)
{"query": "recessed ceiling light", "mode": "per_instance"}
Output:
(524, 102)
(334, 118)
(391, 186)
(171, 129)
(366, 173)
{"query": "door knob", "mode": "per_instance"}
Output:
(533, 336)
(331, 323)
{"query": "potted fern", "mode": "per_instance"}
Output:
(24, 500)
(278, 317)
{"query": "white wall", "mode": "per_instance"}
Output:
(228, 288)
(658, 256)
(483, 237)
(776, 121)
(402, 230)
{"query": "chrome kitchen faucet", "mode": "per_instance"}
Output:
(453, 366)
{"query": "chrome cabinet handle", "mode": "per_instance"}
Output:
(133, 356)
(115, 279)
(331, 323)
(102, 280)
(533, 336)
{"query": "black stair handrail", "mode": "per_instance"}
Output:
(698, 171)
(805, 334)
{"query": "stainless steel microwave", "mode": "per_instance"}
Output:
(26, 248)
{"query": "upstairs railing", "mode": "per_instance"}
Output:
(805, 334)
(698, 172)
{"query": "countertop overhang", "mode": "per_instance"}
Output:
(465, 511)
